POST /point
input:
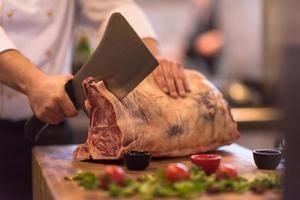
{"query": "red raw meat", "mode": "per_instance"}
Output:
(148, 119)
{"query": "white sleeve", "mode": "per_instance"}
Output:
(5, 42)
(95, 13)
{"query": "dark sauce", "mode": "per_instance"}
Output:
(137, 160)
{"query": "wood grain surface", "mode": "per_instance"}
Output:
(50, 164)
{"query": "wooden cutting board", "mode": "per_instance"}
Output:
(50, 164)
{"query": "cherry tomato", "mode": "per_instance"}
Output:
(176, 172)
(112, 174)
(226, 171)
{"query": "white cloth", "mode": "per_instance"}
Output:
(43, 30)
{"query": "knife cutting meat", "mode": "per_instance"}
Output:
(121, 60)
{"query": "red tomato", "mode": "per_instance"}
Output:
(176, 172)
(112, 174)
(226, 171)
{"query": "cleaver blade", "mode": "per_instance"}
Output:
(121, 60)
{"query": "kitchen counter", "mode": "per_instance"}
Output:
(50, 164)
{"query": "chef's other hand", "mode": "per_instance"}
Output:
(171, 78)
(48, 99)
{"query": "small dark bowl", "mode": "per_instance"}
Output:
(267, 158)
(137, 160)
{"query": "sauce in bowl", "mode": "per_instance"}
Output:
(208, 162)
(137, 160)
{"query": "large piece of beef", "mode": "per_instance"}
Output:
(148, 119)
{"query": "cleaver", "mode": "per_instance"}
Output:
(121, 60)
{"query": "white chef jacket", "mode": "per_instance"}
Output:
(43, 31)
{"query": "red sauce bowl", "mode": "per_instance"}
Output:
(208, 162)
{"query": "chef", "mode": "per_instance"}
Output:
(36, 40)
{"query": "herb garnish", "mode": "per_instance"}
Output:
(86, 180)
(149, 186)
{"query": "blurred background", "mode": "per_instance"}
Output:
(235, 43)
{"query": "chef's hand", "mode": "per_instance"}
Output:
(48, 99)
(169, 75)
(171, 78)
(47, 96)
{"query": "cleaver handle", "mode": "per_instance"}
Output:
(70, 91)
(34, 126)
